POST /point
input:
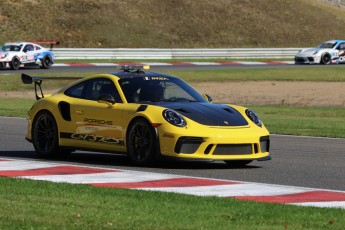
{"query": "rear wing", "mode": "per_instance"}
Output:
(50, 42)
(26, 79)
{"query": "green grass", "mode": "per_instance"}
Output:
(313, 73)
(29, 204)
(15, 107)
(305, 121)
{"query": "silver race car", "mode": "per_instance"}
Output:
(326, 53)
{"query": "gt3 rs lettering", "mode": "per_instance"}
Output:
(91, 138)
(98, 122)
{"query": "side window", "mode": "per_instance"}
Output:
(37, 47)
(341, 46)
(76, 90)
(100, 87)
(28, 48)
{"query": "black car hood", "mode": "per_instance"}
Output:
(207, 113)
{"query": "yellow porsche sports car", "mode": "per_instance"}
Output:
(145, 115)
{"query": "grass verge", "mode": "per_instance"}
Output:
(29, 204)
(312, 73)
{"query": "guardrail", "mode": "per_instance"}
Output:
(152, 53)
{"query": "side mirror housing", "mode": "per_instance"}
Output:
(106, 98)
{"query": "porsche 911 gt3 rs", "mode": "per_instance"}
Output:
(145, 115)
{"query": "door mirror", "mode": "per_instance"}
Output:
(106, 98)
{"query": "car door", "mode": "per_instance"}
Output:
(28, 54)
(98, 124)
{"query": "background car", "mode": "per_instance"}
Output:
(326, 53)
(17, 53)
(144, 115)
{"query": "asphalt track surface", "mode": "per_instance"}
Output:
(296, 161)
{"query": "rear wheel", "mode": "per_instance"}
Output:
(46, 62)
(141, 142)
(45, 136)
(238, 163)
(15, 63)
(326, 59)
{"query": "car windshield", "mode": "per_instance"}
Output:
(158, 89)
(327, 45)
(11, 48)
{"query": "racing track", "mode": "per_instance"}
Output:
(297, 161)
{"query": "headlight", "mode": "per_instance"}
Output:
(253, 117)
(3, 55)
(315, 52)
(174, 118)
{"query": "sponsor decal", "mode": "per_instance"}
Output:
(168, 135)
(156, 78)
(97, 121)
(91, 138)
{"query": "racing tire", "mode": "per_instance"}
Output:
(238, 163)
(326, 59)
(46, 62)
(45, 136)
(15, 63)
(141, 142)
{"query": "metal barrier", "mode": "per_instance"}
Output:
(152, 53)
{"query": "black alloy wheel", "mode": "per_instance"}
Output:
(45, 134)
(326, 59)
(141, 142)
(46, 62)
(15, 63)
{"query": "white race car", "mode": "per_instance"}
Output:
(326, 53)
(15, 54)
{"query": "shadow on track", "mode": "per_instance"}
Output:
(117, 160)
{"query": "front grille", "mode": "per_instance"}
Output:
(311, 59)
(233, 149)
(299, 59)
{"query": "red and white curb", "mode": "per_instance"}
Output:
(116, 178)
(81, 64)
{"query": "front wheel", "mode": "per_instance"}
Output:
(238, 163)
(141, 142)
(326, 59)
(15, 63)
(45, 136)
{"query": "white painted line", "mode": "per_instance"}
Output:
(157, 63)
(204, 63)
(252, 63)
(104, 64)
(329, 204)
(244, 189)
